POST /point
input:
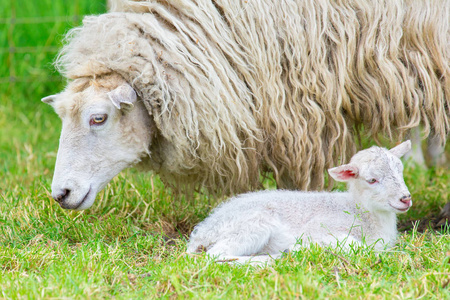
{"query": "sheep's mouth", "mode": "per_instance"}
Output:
(84, 199)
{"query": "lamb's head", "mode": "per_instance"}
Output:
(375, 177)
(105, 129)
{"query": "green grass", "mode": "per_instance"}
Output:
(131, 243)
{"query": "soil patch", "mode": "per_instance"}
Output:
(439, 222)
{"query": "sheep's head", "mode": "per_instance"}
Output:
(105, 129)
(375, 175)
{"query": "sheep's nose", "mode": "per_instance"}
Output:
(61, 195)
(406, 199)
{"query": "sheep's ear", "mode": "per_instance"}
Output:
(344, 172)
(123, 97)
(50, 100)
(401, 149)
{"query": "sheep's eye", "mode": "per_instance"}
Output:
(98, 119)
(372, 181)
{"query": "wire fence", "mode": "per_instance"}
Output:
(30, 37)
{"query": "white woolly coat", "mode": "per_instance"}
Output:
(236, 88)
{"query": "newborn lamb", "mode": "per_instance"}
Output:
(269, 222)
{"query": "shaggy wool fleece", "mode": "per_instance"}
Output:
(238, 88)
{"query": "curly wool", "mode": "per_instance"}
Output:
(238, 88)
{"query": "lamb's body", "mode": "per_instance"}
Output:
(272, 221)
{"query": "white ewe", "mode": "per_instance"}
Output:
(234, 89)
(272, 221)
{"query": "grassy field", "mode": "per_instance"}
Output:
(131, 243)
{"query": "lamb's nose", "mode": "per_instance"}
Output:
(406, 199)
(62, 195)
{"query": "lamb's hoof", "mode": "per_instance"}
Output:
(285, 253)
(200, 249)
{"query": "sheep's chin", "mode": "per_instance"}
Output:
(87, 201)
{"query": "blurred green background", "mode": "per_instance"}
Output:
(30, 36)
(31, 33)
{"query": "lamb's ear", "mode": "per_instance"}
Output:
(50, 100)
(123, 96)
(344, 172)
(401, 149)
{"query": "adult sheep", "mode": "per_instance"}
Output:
(215, 93)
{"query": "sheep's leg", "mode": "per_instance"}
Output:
(416, 153)
(436, 151)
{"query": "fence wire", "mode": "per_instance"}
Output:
(41, 51)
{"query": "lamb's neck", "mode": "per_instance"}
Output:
(380, 225)
(376, 224)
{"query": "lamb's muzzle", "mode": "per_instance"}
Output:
(407, 200)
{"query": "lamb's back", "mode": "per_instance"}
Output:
(293, 208)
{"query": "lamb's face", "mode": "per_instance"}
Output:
(103, 132)
(375, 176)
(381, 183)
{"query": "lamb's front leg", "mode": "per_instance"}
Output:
(342, 241)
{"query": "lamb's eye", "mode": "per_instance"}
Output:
(98, 119)
(372, 181)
